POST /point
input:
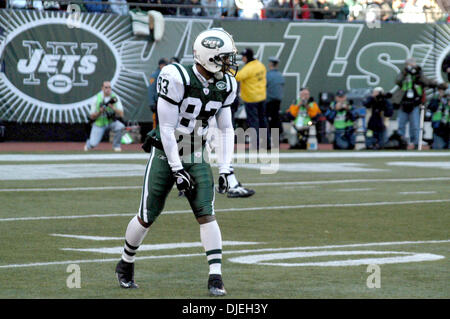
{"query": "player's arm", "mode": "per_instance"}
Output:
(226, 139)
(170, 90)
(227, 179)
(168, 120)
(225, 125)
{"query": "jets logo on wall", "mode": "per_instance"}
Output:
(50, 72)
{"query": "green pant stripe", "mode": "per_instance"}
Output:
(214, 261)
(214, 251)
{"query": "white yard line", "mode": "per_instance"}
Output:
(354, 189)
(226, 252)
(336, 181)
(418, 192)
(243, 209)
(145, 156)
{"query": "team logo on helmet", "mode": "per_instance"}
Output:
(212, 42)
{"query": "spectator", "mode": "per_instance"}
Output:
(51, 5)
(249, 9)
(278, 9)
(446, 66)
(322, 10)
(107, 113)
(357, 10)
(165, 10)
(119, 7)
(24, 4)
(152, 92)
(440, 121)
(381, 108)
(229, 8)
(211, 8)
(342, 115)
(252, 78)
(412, 84)
(303, 114)
(302, 9)
(385, 9)
(412, 12)
(94, 7)
(195, 11)
(275, 84)
(342, 10)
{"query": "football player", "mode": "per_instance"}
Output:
(188, 98)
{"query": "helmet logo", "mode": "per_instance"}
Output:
(212, 42)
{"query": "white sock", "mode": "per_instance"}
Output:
(212, 243)
(134, 236)
(232, 181)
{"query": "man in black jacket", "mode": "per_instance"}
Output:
(380, 106)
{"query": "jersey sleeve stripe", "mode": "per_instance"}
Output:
(168, 99)
(183, 76)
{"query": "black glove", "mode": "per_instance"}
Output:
(224, 185)
(184, 181)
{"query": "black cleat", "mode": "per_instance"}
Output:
(215, 285)
(125, 274)
(239, 191)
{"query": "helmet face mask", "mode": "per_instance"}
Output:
(215, 51)
(227, 62)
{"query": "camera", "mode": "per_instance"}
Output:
(109, 112)
(383, 96)
(413, 70)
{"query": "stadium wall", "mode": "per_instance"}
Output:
(52, 66)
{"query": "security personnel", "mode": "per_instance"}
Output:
(342, 115)
(252, 78)
(275, 84)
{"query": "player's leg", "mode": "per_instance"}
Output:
(202, 205)
(157, 185)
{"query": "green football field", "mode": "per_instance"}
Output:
(324, 225)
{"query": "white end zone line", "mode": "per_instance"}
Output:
(243, 209)
(337, 181)
(67, 262)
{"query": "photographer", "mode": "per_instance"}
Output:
(412, 85)
(440, 106)
(302, 115)
(107, 114)
(342, 115)
(381, 108)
